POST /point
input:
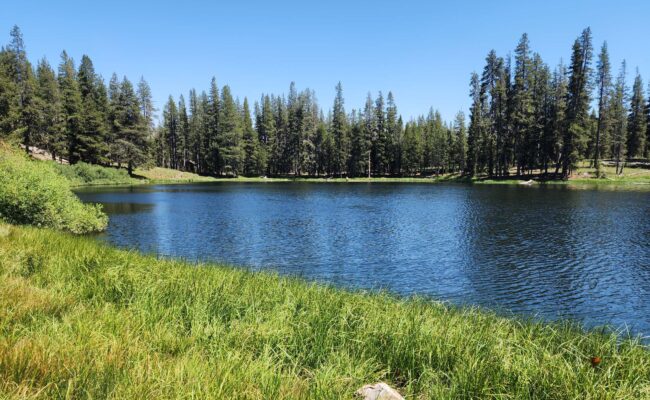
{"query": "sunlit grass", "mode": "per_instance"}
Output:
(87, 175)
(79, 319)
(83, 174)
(161, 175)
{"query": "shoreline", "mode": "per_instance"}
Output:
(582, 182)
(100, 176)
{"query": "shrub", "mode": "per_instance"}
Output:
(33, 193)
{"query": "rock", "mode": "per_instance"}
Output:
(379, 391)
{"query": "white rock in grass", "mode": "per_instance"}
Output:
(379, 391)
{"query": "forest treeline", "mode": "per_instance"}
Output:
(524, 119)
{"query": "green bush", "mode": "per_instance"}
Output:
(82, 174)
(33, 193)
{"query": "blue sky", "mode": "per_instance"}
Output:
(424, 51)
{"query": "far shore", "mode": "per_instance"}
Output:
(584, 177)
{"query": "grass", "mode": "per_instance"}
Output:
(583, 177)
(630, 176)
(32, 192)
(166, 175)
(80, 319)
(82, 174)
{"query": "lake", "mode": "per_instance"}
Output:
(549, 251)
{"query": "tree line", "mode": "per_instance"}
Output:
(71, 113)
(213, 133)
(527, 118)
(524, 119)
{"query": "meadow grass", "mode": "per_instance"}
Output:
(80, 319)
(83, 174)
(167, 175)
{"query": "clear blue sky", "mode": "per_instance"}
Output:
(424, 51)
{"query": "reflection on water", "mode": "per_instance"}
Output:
(546, 251)
(126, 208)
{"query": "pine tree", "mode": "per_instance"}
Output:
(196, 123)
(490, 85)
(294, 130)
(499, 111)
(368, 139)
(92, 139)
(425, 128)
(204, 122)
(339, 128)
(437, 133)
(50, 135)
(131, 141)
(229, 135)
(261, 139)
(113, 110)
(267, 135)
(251, 165)
(554, 132)
(171, 133)
(394, 133)
(413, 151)
(578, 100)
(147, 109)
(30, 111)
(636, 126)
(72, 106)
(541, 87)
(381, 145)
(279, 151)
(23, 117)
(618, 111)
(460, 141)
(324, 148)
(475, 126)
(308, 125)
(213, 156)
(183, 135)
(603, 86)
(522, 107)
(355, 168)
(8, 94)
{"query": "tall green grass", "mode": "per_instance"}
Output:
(32, 192)
(82, 174)
(79, 319)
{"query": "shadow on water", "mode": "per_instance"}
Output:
(126, 208)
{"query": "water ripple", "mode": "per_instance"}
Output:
(545, 251)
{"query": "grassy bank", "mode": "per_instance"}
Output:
(584, 176)
(34, 193)
(79, 319)
(166, 175)
(82, 174)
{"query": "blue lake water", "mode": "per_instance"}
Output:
(548, 251)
